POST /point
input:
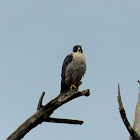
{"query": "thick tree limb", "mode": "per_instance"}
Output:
(132, 132)
(44, 112)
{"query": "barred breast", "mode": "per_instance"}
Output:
(76, 69)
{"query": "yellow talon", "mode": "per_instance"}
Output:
(73, 86)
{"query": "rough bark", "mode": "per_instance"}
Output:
(43, 113)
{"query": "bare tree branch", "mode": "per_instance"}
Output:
(68, 121)
(136, 126)
(132, 132)
(44, 112)
(57, 120)
(40, 101)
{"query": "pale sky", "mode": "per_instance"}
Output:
(36, 36)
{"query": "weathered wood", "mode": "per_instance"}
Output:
(136, 126)
(40, 101)
(67, 121)
(44, 112)
(132, 132)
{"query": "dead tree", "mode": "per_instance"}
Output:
(135, 130)
(44, 112)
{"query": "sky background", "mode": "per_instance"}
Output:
(36, 36)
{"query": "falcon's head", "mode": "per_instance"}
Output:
(78, 49)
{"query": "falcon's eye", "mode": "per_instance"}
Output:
(81, 50)
(74, 49)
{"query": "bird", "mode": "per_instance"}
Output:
(73, 69)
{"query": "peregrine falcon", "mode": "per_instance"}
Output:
(73, 69)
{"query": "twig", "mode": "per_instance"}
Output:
(40, 101)
(68, 121)
(124, 117)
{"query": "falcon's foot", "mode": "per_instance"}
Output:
(73, 87)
